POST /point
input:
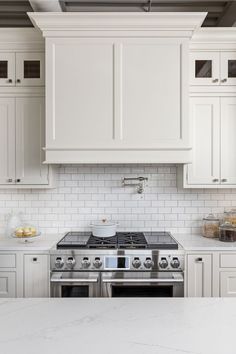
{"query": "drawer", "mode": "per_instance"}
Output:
(7, 261)
(228, 260)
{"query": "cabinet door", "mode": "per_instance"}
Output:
(7, 284)
(7, 140)
(228, 141)
(228, 68)
(199, 275)
(152, 76)
(205, 68)
(205, 130)
(7, 69)
(30, 132)
(228, 284)
(36, 276)
(30, 69)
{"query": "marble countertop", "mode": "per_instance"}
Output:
(200, 243)
(41, 243)
(129, 326)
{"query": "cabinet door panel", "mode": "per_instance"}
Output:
(30, 69)
(30, 141)
(228, 68)
(36, 276)
(228, 284)
(148, 120)
(205, 130)
(7, 69)
(199, 275)
(7, 140)
(205, 68)
(80, 82)
(228, 141)
(7, 284)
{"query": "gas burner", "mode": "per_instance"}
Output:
(102, 242)
(131, 240)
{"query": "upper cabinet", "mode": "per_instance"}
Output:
(117, 87)
(22, 69)
(213, 68)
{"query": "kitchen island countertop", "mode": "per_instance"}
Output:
(128, 326)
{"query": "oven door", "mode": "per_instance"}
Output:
(142, 284)
(75, 284)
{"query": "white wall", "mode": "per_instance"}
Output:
(93, 192)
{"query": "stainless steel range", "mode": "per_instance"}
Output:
(129, 264)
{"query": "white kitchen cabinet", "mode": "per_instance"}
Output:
(199, 275)
(22, 69)
(7, 284)
(213, 68)
(228, 284)
(22, 121)
(7, 140)
(213, 122)
(36, 275)
(7, 69)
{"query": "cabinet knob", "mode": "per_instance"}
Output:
(35, 259)
(10, 180)
(215, 80)
(215, 180)
(9, 81)
(199, 260)
(18, 81)
(224, 180)
(224, 80)
(17, 180)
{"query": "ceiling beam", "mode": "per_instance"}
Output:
(228, 17)
(47, 5)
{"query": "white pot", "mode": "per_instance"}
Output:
(104, 228)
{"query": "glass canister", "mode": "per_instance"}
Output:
(230, 216)
(211, 226)
(227, 232)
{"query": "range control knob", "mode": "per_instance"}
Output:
(85, 262)
(97, 262)
(136, 262)
(175, 263)
(148, 263)
(59, 263)
(70, 263)
(163, 263)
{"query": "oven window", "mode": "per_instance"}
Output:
(74, 291)
(142, 291)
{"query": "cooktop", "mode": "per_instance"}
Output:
(122, 240)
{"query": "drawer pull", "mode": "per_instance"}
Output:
(35, 259)
(199, 259)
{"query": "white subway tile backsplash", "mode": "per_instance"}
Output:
(92, 192)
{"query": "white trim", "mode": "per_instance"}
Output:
(215, 35)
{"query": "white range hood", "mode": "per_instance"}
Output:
(117, 86)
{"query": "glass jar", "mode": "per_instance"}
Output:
(211, 226)
(227, 232)
(230, 216)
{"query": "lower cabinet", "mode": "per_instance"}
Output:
(7, 284)
(36, 276)
(228, 284)
(199, 275)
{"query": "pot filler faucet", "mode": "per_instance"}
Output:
(140, 183)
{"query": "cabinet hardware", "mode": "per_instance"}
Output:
(9, 81)
(224, 80)
(224, 180)
(17, 180)
(215, 80)
(18, 81)
(199, 259)
(9, 180)
(215, 180)
(35, 259)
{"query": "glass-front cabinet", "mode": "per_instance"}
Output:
(213, 68)
(21, 69)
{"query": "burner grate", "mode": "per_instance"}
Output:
(103, 242)
(131, 240)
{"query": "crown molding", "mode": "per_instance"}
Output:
(67, 23)
(215, 34)
(20, 35)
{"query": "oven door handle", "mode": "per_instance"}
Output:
(176, 279)
(56, 279)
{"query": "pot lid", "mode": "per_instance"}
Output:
(211, 217)
(103, 222)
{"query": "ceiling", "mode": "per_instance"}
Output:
(13, 13)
